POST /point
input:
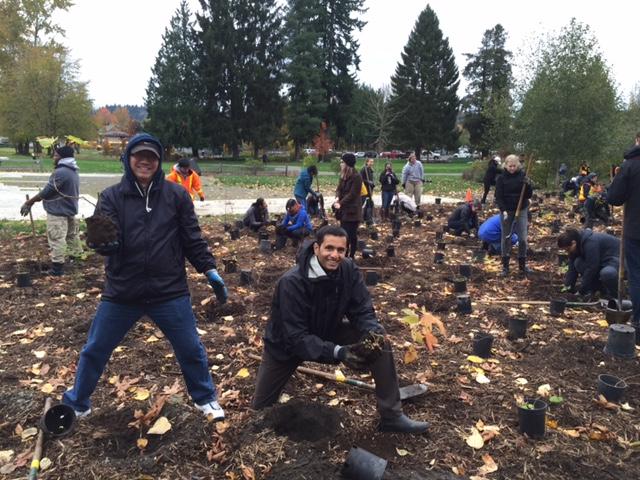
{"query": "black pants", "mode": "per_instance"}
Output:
(487, 187)
(352, 233)
(283, 234)
(273, 375)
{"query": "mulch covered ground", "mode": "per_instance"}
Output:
(309, 434)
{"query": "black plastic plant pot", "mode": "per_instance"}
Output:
(547, 194)
(438, 200)
(23, 279)
(226, 226)
(576, 209)
(263, 236)
(363, 465)
(465, 270)
(246, 277)
(459, 285)
(396, 232)
(235, 234)
(478, 255)
(239, 224)
(439, 235)
(611, 387)
(374, 235)
(445, 228)
(482, 343)
(557, 306)
(230, 266)
(517, 328)
(371, 278)
(442, 245)
(420, 214)
(396, 224)
(613, 315)
(368, 252)
(391, 251)
(58, 420)
(438, 258)
(463, 304)
(362, 245)
(416, 223)
(532, 418)
(429, 218)
(563, 259)
(621, 341)
(265, 246)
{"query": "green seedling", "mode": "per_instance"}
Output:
(527, 406)
(556, 400)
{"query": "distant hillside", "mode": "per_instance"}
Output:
(136, 112)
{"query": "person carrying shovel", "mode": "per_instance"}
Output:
(513, 191)
(309, 304)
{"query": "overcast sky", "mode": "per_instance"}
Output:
(116, 42)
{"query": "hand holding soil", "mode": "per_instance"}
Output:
(101, 231)
(370, 347)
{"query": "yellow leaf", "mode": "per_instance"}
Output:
(475, 440)
(6, 456)
(411, 355)
(571, 433)
(475, 359)
(161, 427)
(243, 373)
(28, 433)
(625, 406)
(152, 339)
(603, 323)
(339, 375)
(142, 443)
(47, 388)
(228, 318)
(482, 378)
(45, 463)
(284, 398)
(402, 452)
(553, 424)
(40, 354)
(544, 390)
(521, 381)
(141, 394)
(333, 402)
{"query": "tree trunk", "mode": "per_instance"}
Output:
(194, 152)
(235, 150)
(296, 152)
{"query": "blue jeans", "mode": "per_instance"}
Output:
(387, 198)
(302, 201)
(112, 322)
(632, 260)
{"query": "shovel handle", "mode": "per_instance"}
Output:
(37, 453)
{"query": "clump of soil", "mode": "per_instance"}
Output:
(302, 421)
(370, 347)
(101, 230)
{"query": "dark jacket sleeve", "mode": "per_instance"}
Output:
(591, 254)
(499, 195)
(107, 207)
(295, 309)
(571, 277)
(195, 248)
(360, 310)
(353, 195)
(54, 185)
(618, 192)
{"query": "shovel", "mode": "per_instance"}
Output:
(407, 392)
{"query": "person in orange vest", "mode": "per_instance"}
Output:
(182, 174)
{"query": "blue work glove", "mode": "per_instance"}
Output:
(216, 282)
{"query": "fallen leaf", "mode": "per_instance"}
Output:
(45, 463)
(544, 390)
(161, 427)
(551, 423)
(489, 466)
(141, 394)
(248, 473)
(40, 354)
(521, 381)
(411, 355)
(626, 407)
(284, 398)
(475, 439)
(243, 373)
(570, 432)
(482, 378)
(334, 402)
(6, 456)
(142, 443)
(402, 452)
(555, 400)
(475, 359)
(603, 323)
(28, 433)
(47, 388)
(152, 339)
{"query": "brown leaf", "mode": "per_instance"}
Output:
(411, 355)
(248, 473)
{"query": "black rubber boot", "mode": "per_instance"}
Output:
(57, 269)
(522, 265)
(505, 267)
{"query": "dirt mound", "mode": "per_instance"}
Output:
(302, 421)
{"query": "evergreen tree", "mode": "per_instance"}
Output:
(424, 88)
(174, 94)
(487, 105)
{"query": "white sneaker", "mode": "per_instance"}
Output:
(82, 414)
(212, 409)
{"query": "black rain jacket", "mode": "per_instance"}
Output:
(597, 250)
(625, 190)
(508, 188)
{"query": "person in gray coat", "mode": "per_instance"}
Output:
(60, 200)
(593, 256)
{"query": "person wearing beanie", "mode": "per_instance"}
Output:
(184, 175)
(413, 178)
(296, 225)
(347, 206)
(493, 170)
(59, 198)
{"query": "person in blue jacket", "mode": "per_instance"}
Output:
(303, 185)
(295, 225)
(152, 228)
(490, 232)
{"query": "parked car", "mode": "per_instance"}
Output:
(359, 154)
(371, 154)
(393, 154)
(309, 151)
(429, 156)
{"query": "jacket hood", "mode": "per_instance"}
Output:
(633, 152)
(135, 140)
(69, 162)
(304, 255)
(584, 236)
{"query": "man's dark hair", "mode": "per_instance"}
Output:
(259, 202)
(334, 230)
(568, 236)
(312, 169)
(638, 136)
(290, 203)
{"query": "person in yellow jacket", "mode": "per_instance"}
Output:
(182, 174)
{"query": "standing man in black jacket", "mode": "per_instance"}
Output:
(509, 186)
(625, 190)
(493, 169)
(309, 304)
(154, 228)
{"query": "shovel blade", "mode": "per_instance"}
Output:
(411, 391)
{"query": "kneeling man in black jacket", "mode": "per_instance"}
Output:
(307, 322)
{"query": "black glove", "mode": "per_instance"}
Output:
(351, 359)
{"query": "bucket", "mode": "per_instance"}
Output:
(23, 279)
(246, 277)
(482, 343)
(517, 328)
(370, 278)
(363, 465)
(459, 285)
(465, 270)
(391, 251)
(438, 258)
(58, 420)
(557, 306)
(621, 341)
(611, 387)
(532, 418)
(463, 304)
